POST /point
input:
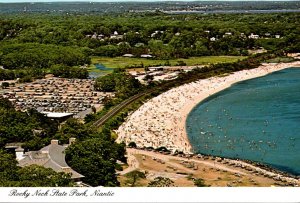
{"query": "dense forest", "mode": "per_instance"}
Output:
(37, 42)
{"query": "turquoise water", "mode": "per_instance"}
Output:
(257, 120)
(98, 74)
(100, 66)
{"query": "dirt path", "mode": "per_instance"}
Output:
(158, 164)
(134, 165)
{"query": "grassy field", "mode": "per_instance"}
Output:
(123, 62)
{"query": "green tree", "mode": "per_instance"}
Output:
(108, 50)
(38, 176)
(132, 145)
(12, 175)
(73, 128)
(5, 85)
(148, 77)
(199, 182)
(60, 70)
(5, 103)
(96, 160)
(122, 83)
(106, 83)
(201, 49)
(161, 182)
(33, 55)
(134, 176)
(17, 126)
(159, 49)
(8, 166)
(132, 38)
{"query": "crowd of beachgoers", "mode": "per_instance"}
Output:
(160, 122)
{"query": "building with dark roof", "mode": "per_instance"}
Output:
(51, 156)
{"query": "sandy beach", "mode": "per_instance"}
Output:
(160, 122)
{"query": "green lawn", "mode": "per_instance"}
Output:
(123, 62)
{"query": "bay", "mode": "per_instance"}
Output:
(257, 119)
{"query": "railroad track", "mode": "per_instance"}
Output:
(118, 108)
(128, 101)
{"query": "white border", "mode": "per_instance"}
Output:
(174, 194)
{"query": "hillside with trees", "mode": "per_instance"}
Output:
(40, 40)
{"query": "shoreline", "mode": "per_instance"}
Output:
(241, 167)
(230, 80)
(161, 121)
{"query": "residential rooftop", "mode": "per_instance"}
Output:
(51, 156)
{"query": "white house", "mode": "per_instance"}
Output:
(128, 55)
(155, 33)
(252, 36)
(100, 36)
(94, 36)
(212, 39)
(146, 56)
(227, 34)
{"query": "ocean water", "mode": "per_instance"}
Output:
(257, 119)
